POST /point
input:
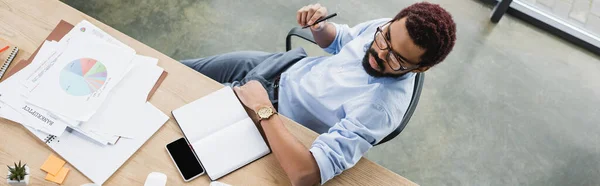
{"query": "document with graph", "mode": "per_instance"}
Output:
(81, 78)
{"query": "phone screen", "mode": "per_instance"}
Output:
(184, 158)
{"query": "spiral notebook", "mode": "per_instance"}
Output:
(9, 58)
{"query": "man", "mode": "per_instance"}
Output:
(353, 98)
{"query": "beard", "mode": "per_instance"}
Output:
(380, 63)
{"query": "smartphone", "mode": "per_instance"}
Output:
(185, 160)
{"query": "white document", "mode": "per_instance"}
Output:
(222, 135)
(112, 119)
(82, 30)
(46, 56)
(2, 105)
(95, 160)
(140, 80)
(98, 162)
(11, 114)
(89, 30)
(44, 59)
(30, 115)
(145, 60)
(83, 75)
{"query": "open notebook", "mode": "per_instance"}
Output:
(220, 132)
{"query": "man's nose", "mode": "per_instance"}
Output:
(381, 54)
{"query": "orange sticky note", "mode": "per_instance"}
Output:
(58, 178)
(53, 164)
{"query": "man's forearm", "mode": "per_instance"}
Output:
(324, 36)
(295, 159)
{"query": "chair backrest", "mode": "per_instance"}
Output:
(298, 32)
(418, 85)
(419, 80)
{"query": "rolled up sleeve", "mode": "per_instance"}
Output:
(349, 139)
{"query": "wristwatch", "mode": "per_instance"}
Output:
(265, 112)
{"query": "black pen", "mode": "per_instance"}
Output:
(320, 20)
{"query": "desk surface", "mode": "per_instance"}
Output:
(26, 23)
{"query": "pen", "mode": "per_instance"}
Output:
(320, 20)
(3, 49)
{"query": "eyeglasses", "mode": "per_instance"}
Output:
(394, 59)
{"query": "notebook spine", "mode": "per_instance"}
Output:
(49, 138)
(10, 58)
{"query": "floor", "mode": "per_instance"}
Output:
(511, 105)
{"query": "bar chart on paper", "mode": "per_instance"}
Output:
(83, 76)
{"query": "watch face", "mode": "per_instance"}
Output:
(264, 112)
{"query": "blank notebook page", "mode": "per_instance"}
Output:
(230, 148)
(223, 136)
(209, 114)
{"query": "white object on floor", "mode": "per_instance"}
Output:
(156, 179)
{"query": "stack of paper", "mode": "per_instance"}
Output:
(93, 87)
(79, 82)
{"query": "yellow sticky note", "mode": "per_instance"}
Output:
(60, 177)
(53, 164)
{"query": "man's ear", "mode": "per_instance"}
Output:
(420, 69)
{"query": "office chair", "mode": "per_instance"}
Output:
(419, 79)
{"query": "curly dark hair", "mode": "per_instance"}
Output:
(431, 28)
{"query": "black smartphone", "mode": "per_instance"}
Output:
(185, 160)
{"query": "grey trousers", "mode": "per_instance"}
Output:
(237, 68)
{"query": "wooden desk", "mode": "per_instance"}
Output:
(26, 23)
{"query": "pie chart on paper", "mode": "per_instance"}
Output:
(82, 77)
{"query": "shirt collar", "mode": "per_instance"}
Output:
(367, 45)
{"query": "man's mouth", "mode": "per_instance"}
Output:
(374, 66)
(373, 63)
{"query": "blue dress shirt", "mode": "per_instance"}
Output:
(335, 97)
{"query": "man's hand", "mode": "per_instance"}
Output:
(295, 159)
(253, 95)
(307, 15)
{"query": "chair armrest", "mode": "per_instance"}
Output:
(305, 34)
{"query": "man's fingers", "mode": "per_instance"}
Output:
(317, 15)
(311, 13)
(298, 14)
(303, 18)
